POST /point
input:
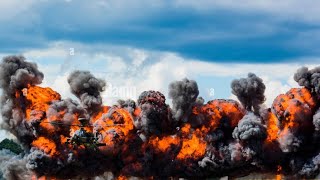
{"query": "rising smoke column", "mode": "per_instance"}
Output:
(87, 88)
(250, 132)
(249, 91)
(155, 113)
(15, 74)
(183, 94)
(308, 78)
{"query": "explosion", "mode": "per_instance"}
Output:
(66, 138)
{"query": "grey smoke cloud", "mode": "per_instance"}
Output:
(87, 88)
(12, 166)
(15, 74)
(308, 78)
(249, 91)
(250, 127)
(184, 94)
(155, 114)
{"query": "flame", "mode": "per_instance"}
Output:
(122, 177)
(114, 125)
(39, 98)
(272, 128)
(99, 114)
(218, 110)
(34, 177)
(46, 145)
(279, 176)
(190, 142)
(163, 144)
(192, 148)
(193, 145)
(114, 128)
(294, 111)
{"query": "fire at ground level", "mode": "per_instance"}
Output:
(148, 138)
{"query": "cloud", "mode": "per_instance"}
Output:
(7, 12)
(283, 10)
(267, 31)
(139, 70)
(128, 71)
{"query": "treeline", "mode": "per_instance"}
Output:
(10, 145)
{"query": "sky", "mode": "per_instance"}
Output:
(138, 45)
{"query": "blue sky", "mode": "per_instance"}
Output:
(167, 36)
(219, 31)
(231, 37)
(143, 44)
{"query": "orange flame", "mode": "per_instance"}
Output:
(279, 176)
(39, 98)
(192, 148)
(294, 110)
(46, 145)
(164, 143)
(272, 128)
(217, 110)
(120, 121)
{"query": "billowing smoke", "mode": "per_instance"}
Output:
(15, 74)
(87, 88)
(250, 127)
(129, 104)
(312, 168)
(316, 120)
(155, 114)
(67, 139)
(13, 166)
(308, 78)
(183, 94)
(249, 91)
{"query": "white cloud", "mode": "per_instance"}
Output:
(273, 89)
(10, 9)
(138, 57)
(153, 74)
(150, 73)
